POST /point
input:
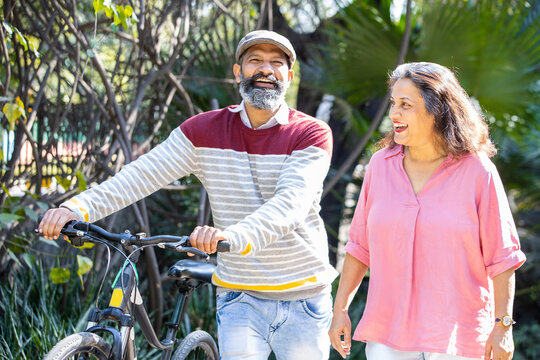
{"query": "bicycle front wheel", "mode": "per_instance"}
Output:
(80, 346)
(197, 345)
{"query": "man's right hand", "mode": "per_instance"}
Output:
(54, 220)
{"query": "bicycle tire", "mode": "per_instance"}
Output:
(197, 345)
(82, 345)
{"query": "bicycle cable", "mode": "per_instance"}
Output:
(108, 245)
(104, 276)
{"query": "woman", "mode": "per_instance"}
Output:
(434, 227)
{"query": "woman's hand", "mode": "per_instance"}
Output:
(341, 326)
(500, 344)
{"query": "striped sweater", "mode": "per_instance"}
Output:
(264, 188)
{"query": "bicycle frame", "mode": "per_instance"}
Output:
(118, 310)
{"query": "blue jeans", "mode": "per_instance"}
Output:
(250, 328)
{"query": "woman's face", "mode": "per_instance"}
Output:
(413, 125)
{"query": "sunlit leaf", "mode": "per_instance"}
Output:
(133, 17)
(98, 6)
(13, 111)
(6, 191)
(59, 275)
(22, 39)
(87, 245)
(84, 265)
(81, 180)
(33, 44)
(63, 182)
(8, 28)
(128, 10)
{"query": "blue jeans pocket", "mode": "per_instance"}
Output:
(228, 298)
(318, 307)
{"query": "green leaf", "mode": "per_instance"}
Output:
(29, 259)
(33, 44)
(7, 218)
(98, 6)
(49, 242)
(8, 28)
(13, 257)
(64, 182)
(22, 39)
(30, 213)
(6, 191)
(132, 15)
(42, 205)
(17, 244)
(87, 245)
(59, 275)
(67, 62)
(85, 264)
(13, 111)
(81, 180)
(90, 53)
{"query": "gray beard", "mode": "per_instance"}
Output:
(262, 98)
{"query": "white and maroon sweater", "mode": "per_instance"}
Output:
(264, 188)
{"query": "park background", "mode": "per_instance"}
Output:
(86, 87)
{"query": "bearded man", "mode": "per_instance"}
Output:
(263, 165)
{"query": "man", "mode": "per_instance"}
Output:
(263, 166)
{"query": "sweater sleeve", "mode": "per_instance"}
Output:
(298, 187)
(169, 161)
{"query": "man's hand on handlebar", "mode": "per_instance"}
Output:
(205, 238)
(54, 220)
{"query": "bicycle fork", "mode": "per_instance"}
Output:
(118, 311)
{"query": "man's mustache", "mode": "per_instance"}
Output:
(272, 78)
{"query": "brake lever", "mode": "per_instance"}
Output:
(180, 248)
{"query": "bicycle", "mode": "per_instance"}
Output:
(126, 306)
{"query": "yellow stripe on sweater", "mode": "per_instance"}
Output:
(80, 207)
(281, 287)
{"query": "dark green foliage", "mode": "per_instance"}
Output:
(31, 318)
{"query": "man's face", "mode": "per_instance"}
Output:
(264, 76)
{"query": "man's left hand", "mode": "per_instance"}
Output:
(205, 238)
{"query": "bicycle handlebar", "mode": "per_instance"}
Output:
(79, 231)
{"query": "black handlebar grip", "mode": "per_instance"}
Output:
(223, 246)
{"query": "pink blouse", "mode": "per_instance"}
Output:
(432, 255)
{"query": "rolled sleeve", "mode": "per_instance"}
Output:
(498, 233)
(358, 252)
(358, 245)
(515, 259)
